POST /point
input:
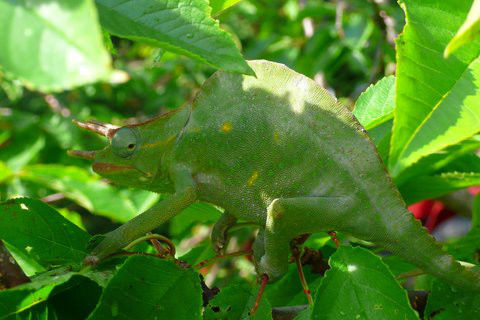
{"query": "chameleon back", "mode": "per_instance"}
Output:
(251, 140)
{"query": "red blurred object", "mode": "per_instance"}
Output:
(474, 190)
(431, 213)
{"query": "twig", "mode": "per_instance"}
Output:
(206, 262)
(339, 18)
(151, 236)
(56, 106)
(307, 23)
(53, 197)
(263, 284)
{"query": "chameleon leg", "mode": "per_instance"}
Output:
(394, 230)
(288, 218)
(258, 248)
(219, 232)
(140, 225)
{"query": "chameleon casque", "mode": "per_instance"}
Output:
(276, 150)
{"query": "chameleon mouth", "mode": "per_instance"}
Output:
(103, 129)
(103, 167)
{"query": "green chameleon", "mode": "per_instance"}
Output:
(276, 150)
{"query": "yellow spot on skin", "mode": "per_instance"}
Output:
(276, 136)
(252, 178)
(160, 142)
(226, 127)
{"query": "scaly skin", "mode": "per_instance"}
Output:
(276, 150)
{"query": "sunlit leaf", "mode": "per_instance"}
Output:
(455, 118)
(219, 5)
(91, 192)
(375, 105)
(181, 26)
(52, 45)
(41, 233)
(360, 286)
(468, 31)
(434, 96)
(428, 187)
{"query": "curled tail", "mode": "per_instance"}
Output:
(407, 239)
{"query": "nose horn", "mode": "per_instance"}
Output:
(89, 155)
(104, 129)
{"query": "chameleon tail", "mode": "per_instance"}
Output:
(407, 238)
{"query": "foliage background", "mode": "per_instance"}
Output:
(344, 45)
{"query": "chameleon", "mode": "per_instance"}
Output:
(276, 150)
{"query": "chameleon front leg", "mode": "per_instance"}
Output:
(148, 220)
(219, 232)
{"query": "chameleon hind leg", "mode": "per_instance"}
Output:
(219, 234)
(291, 217)
(397, 232)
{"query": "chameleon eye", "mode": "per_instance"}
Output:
(124, 142)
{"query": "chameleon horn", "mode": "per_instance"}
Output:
(89, 155)
(104, 129)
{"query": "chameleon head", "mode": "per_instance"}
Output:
(123, 160)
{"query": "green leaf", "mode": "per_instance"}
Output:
(234, 303)
(15, 155)
(27, 295)
(5, 172)
(198, 254)
(151, 288)
(220, 5)
(52, 46)
(468, 31)
(448, 159)
(180, 26)
(25, 299)
(467, 248)
(288, 291)
(381, 137)
(375, 105)
(360, 286)
(455, 118)
(73, 300)
(445, 303)
(428, 187)
(90, 192)
(41, 233)
(433, 95)
(199, 212)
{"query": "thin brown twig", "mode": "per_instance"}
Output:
(206, 262)
(263, 284)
